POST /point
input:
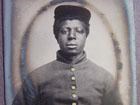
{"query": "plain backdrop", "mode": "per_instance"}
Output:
(42, 45)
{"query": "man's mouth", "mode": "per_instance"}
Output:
(71, 46)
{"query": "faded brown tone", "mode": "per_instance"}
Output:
(137, 19)
(102, 14)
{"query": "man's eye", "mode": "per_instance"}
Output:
(80, 30)
(63, 31)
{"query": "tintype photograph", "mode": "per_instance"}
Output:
(69, 52)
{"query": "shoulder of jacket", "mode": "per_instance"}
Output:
(99, 69)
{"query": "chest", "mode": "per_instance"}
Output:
(81, 87)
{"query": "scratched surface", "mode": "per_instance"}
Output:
(137, 23)
(30, 44)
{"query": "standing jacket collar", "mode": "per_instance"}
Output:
(65, 59)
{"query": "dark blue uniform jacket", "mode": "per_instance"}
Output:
(62, 83)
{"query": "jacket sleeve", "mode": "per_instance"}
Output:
(27, 94)
(111, 93)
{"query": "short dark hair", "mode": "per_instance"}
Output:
(69, 12)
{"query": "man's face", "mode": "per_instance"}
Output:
(72, 36)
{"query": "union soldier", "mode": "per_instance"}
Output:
(71, 79)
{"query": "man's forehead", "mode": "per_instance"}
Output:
(72, 23)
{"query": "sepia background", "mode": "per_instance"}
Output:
(42, 45)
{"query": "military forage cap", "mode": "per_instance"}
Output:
(64, 12)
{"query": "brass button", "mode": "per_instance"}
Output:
(72, 69)
(74, 103)
(74, 95)
(73, 78)
(73, 87)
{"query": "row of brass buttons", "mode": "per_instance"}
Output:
(73, 87)
(74, 103)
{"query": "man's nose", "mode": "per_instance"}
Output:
(72, 34)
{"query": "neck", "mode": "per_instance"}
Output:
(71, 58)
